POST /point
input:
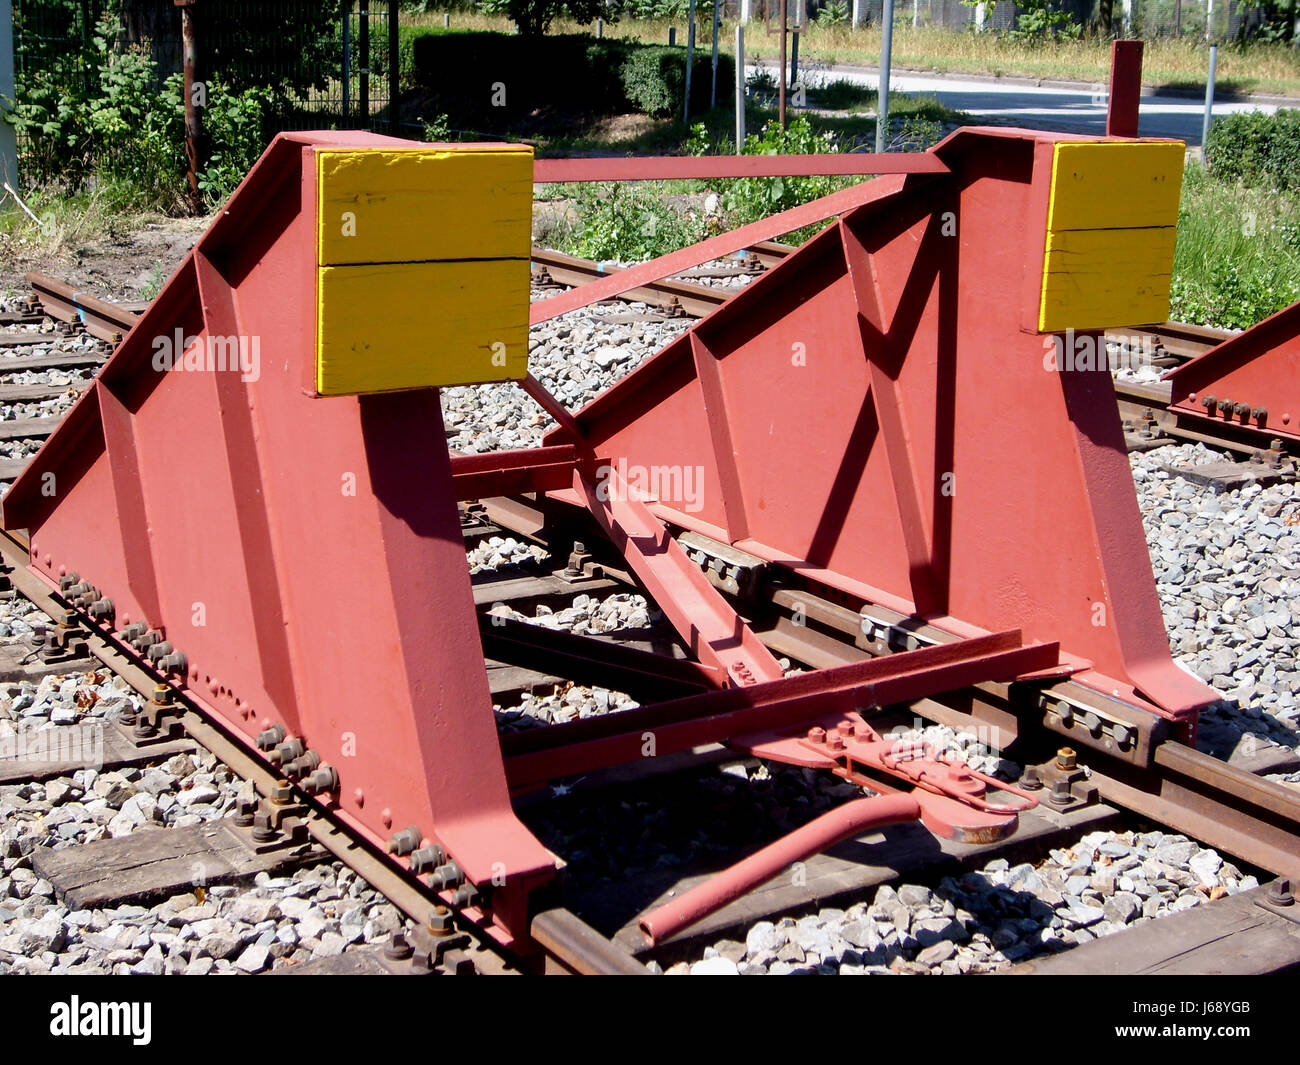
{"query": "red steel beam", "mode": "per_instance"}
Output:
(779, 704)
(507, 473)
(669, 167)
(717, 247)
(710, 628)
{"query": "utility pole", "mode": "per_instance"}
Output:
(780, 86)
(886, 50)
(193, 127)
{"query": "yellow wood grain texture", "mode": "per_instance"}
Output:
(415, 205)
(1115, 184)
(386, 327)
(1104, 277)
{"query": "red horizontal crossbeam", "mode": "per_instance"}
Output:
(583, 746)
(508, 473)
(723, 244)
(668, 167)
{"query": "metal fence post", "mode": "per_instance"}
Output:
(690, 62)
(740, 89)
(717, 25)
(8, 139)
(394, 68)
(347, 62)
(886, 47)
(1209, 99)
(363, 69)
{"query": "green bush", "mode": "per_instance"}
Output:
(124, 128)
(629, 223)
(1256, 149)
(458, 71)
(654, 79)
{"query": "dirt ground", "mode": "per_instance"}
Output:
(127, 266)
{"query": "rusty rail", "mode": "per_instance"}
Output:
(107, 321)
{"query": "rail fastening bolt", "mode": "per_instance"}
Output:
(1279, 892)
(1061, 795)
(1066, 759)
(1030, 780)
(397, 948)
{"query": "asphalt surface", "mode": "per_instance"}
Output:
(1071, 110)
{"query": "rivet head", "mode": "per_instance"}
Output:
(359, 796)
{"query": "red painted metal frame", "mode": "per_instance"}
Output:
(792, 703)
(1254, 375)
(272, 536)
(305, 554)
(643, 168)
(875, 413)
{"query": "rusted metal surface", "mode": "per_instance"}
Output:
(107, 321)
(580, 948)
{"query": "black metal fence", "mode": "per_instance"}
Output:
(329, 63)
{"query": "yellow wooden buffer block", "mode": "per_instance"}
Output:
(1111, 223)
(422, 262)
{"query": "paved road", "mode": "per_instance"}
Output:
(1069, 110)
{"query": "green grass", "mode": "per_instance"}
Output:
(67, 222)
(1237, 259)
(1167, 62)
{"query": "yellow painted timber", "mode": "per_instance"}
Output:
(1095, 278)
(1111, 218)
(416, 204)
(1115, 184)
(386, 327)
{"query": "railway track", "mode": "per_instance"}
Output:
(1224, 804)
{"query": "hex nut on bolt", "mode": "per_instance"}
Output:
(427, 858)
(325, 778)
(270, 738)
(441, 921)
(404, 842)
(1066, 759)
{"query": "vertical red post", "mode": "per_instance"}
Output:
(1125, 89)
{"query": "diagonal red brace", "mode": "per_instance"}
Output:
(713, 632)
